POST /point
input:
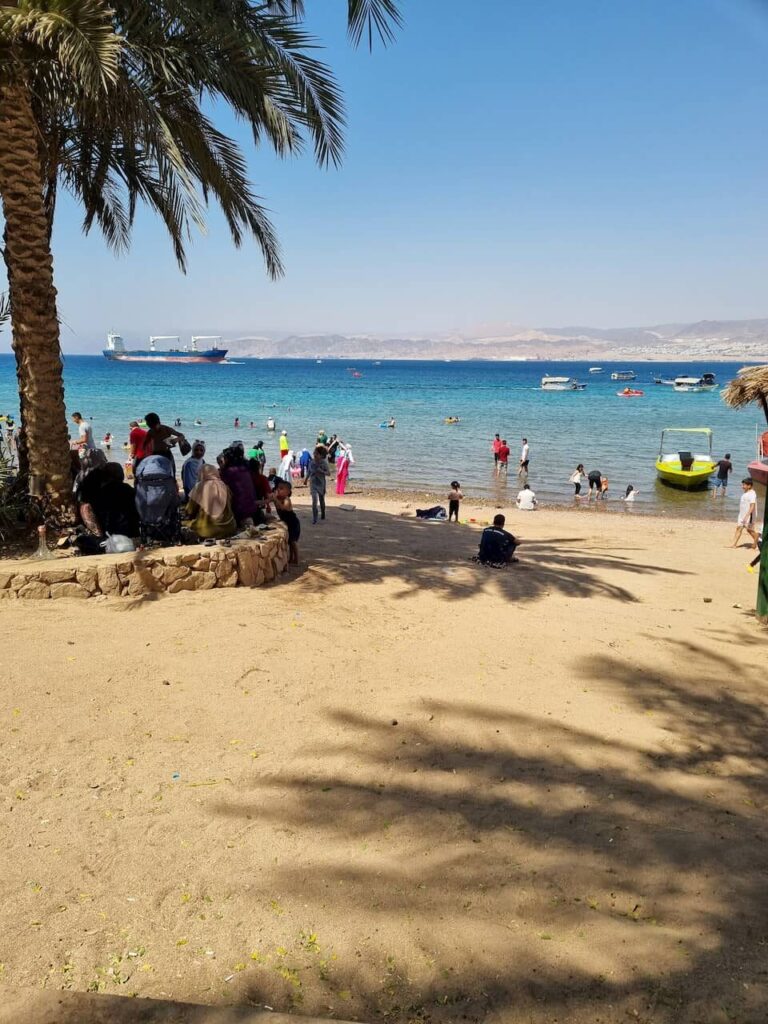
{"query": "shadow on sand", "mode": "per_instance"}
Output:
(647, 899)
(381, 547)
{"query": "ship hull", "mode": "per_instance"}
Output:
(214, 355)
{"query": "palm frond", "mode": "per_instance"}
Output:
(369, 18)
(78, 35)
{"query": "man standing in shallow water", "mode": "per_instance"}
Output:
(495, 446)
(525, 452)
(502, 462)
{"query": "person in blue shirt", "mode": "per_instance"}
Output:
(190, 471)
(497, 546)
(304, 460)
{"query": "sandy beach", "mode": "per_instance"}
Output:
(399, 786)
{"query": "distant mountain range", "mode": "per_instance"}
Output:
(706, 339)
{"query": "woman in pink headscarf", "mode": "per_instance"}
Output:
(344, 460)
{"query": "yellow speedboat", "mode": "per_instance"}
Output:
(685, 469)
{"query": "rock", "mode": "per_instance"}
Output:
(226, 573)
(143, 582)
(124, 568)
(246, 568)
(197, 581)
(280, 562)
(172, 573)
(34, 589)
(87, 578)
(5, 580)
(108, 580)
(57, 575)
(189, 558)
(268, 569)
(69, 590)
(8, 595)
(259, 580)
(202, 564)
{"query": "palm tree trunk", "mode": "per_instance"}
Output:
(34, 318)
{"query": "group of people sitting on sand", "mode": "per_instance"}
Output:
(233, 497)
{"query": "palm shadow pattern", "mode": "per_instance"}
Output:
(543, 871)
(383, 547)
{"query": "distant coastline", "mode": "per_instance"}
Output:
(549, 360)
(700, 341)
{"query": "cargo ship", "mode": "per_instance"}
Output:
(117, 352)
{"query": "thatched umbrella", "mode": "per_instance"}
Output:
(751, 385)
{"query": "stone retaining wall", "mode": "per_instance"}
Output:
(247, 563)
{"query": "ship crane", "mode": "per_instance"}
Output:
(161, 337)
(204, 337)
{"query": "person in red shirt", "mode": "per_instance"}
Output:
(495, 445)
(503, 456)
(136, 442)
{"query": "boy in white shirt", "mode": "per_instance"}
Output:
(747, 513)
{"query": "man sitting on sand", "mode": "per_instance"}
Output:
(497, 547)
(526, 499)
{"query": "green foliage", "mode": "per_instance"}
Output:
(121, 92)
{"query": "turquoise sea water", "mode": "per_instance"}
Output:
(618, 436)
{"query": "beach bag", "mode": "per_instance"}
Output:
(185, 447)
(117, 544)
(436, 512)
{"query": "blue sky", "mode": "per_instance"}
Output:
(600, 162)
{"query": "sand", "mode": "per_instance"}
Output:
(398, 786)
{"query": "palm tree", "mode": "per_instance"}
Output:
(109, 101)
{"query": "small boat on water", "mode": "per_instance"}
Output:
(663, 380)
(709, 381)
(561, 384)
(758, 469)
(596, 369)
(689, 384)
(685, 470)
(623, 375)
(630, 393)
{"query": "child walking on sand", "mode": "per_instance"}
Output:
(288, 516)
(454, 497)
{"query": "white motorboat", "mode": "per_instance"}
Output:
(692, 384)
(623, 375)
(596, 369)
(561, 384)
